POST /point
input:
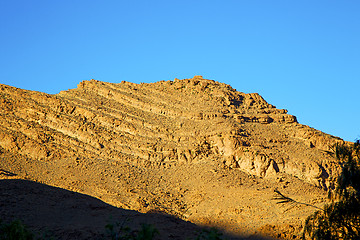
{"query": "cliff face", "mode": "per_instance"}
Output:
(105, 134)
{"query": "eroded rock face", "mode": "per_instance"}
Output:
(193, 148)
(165, 124)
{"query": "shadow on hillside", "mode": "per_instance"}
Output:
(7, 173)
(70, 215)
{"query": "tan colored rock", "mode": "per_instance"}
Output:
(105, 139)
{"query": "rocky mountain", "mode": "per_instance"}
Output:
(194, 148)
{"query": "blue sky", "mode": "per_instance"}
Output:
(303, 56)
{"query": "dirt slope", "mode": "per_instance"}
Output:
(68, 215)
(195, 149)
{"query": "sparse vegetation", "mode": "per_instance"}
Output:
(341, 218)
(15, 230)
(154, 148)
(211, 234)
(120, 231)
(147, 232)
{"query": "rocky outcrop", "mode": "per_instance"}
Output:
(164, 124)
(194, 148)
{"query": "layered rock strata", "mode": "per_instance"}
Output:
(165, 124)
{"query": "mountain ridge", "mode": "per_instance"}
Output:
(101, 137)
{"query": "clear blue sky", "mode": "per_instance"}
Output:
(303, 56)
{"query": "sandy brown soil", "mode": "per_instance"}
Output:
(194, 149)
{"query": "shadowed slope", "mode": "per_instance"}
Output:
(69, 215)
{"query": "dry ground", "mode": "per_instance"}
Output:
(194, 150)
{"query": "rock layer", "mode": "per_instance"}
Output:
(162, 125)
(165, 123)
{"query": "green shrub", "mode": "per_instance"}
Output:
(341, 218)
(211, 234)
(15, 231)
(119, 231)
(147, 232)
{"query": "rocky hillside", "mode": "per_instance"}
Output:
(194, 148)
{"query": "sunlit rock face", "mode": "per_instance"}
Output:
(117, 141)
(162, 124)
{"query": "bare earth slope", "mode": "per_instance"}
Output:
(195, 149)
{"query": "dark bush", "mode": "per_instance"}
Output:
(341, 218)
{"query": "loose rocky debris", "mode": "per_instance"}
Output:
(195, 148)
